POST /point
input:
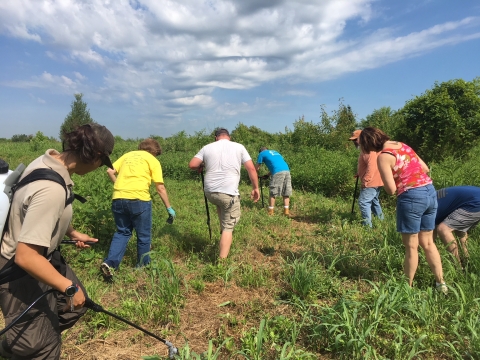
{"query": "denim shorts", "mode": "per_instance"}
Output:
(416, 210)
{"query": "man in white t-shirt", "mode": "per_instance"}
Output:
(222, 161)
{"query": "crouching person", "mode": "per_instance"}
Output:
(458, 212)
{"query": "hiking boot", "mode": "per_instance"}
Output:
(286, 211)
(107, 271)
(442, 288)
(270, 211)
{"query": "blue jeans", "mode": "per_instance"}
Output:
(416, 210)
(129, 215)
(368, 203)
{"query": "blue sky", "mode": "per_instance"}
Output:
(150, 67)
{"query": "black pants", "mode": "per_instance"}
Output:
(38, 334)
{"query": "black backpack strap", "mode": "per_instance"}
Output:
(79, 198)
(45, 174)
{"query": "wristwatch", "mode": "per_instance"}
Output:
(71, 290)
(70, 293)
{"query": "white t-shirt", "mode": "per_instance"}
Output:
(223, 160)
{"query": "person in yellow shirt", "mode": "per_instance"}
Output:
(132, 176)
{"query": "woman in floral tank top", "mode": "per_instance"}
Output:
(405, 173)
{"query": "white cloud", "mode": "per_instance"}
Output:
(168, 56)
(56, 84)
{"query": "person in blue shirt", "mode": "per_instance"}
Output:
(458, 211)
(281, 183)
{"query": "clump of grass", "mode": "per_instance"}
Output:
(306, 278)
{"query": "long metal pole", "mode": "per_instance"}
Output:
(354, 194)
(206, 206)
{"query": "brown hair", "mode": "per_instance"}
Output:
(89, 142)
(150, 145)
(372, 139)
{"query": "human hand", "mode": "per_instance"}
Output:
(255, 195)
(81, 239)
(78, 300)
(171, 212)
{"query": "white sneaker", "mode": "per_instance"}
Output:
(442, 288)
(107, 271)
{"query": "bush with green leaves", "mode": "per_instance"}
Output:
(443, 121)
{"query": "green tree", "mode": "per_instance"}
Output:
(305, 133)
(386, 119)
(445, 120)
(39, 142)
(79, 115)
(21, 138)
(337, 128)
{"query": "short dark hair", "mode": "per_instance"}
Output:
(372, 139)
(150, 145)
(263, 148)
(220, 131)
(90, 142)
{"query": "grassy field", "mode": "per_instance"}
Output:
(317, 285)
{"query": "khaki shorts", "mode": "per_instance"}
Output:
(281, 184)
(228, 207)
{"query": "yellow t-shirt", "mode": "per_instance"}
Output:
(135, 172)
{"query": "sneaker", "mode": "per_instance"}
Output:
(442, 288)
(107, 271)
(270, 211)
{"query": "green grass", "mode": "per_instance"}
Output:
(315, 286)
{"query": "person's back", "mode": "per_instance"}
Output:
(223, 160)
(136, 171)
(408, 172)
(453, 198)
(273, 160)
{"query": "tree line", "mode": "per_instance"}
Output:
(442, 122)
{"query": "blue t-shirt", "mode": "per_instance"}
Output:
(273, 160)
(457, 197)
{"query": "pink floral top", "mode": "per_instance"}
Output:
(407, 172)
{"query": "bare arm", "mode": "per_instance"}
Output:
(195, 163)
(162, 192)
(112, 174)
(385, 163)
(29, 257)
(252, 174)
